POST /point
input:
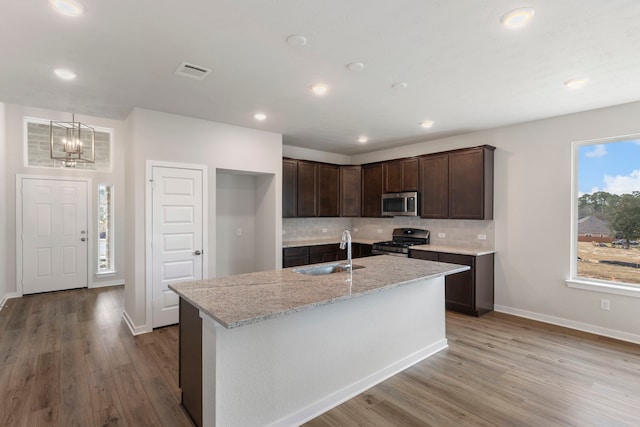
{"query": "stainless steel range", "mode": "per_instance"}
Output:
(403, 239)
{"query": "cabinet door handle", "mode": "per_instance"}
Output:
(198, 252)
(83, 239)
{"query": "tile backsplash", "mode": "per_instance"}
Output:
(459, 233)
(294, 229)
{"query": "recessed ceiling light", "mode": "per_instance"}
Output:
(517, 18)
(67, 7)
(297, 40)
(260, 116)
(399, 85)
(362, 139)
(577, 83)
(319, 89)
(427, 124)
(355, 66)
(65, 74)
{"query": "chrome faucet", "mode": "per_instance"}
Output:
(346, 240)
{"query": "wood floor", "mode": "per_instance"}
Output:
(68, 359)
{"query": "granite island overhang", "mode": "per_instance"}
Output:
(280, 347)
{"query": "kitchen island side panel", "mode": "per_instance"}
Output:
(190, 372)
(287, 370)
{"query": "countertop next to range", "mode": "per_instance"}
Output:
(453, 250)
(433, 247)
(253, 297)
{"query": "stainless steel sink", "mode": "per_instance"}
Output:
(318, 270)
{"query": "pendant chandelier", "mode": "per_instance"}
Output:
(72, 142)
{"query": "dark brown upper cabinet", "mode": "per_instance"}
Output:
(310, 189)
(328, 190)
(400, 175)
(372, 190)
(434, 186)
(307, 194)
(289, 188)
(350, 190)
(471, 183)
(455, 184)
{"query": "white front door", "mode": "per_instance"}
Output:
(177, 236)
(54, 235)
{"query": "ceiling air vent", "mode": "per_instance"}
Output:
(192, 71)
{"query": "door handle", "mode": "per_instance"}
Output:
(83, 239)
(198, 253)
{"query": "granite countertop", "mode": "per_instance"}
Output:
(453, 250)
(328, 241)
(253, 297)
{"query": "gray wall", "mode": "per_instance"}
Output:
(171, 138)
(532, 215)
(14, 164)
(4, 202)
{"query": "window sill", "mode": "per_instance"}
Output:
(604, 287)
(109, 273)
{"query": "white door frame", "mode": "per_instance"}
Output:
(19, 179)
(149, 227)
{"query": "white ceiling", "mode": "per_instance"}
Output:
(464, 70)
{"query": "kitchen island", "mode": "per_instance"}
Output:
(280, 347)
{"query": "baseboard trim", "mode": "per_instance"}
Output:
(579, 326)
(135, 330)
(349, 392)
(105, 284)
(7, 297)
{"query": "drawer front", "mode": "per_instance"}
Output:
(457, 259)
(295, 252)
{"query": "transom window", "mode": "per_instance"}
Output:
(37, 149)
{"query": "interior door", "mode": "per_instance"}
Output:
(177, 236)
(54, 235)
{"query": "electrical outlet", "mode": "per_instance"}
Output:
(239, 232)
(324, 230)
(379, 230)
(482, 237)
(442, 235)
(604, 304)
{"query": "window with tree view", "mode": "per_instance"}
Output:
(105, 229)
(608, 212)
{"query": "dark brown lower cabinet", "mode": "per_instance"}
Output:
(190, 360)
(326, 253)
(471, 291)
(293, 257)
(304, 255)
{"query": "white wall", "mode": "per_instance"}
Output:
(4, 276)
(171, 138)
(533, 216)
(315, 155)
(14, 164)
(236, 224)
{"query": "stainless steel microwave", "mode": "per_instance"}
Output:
(400, 204)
